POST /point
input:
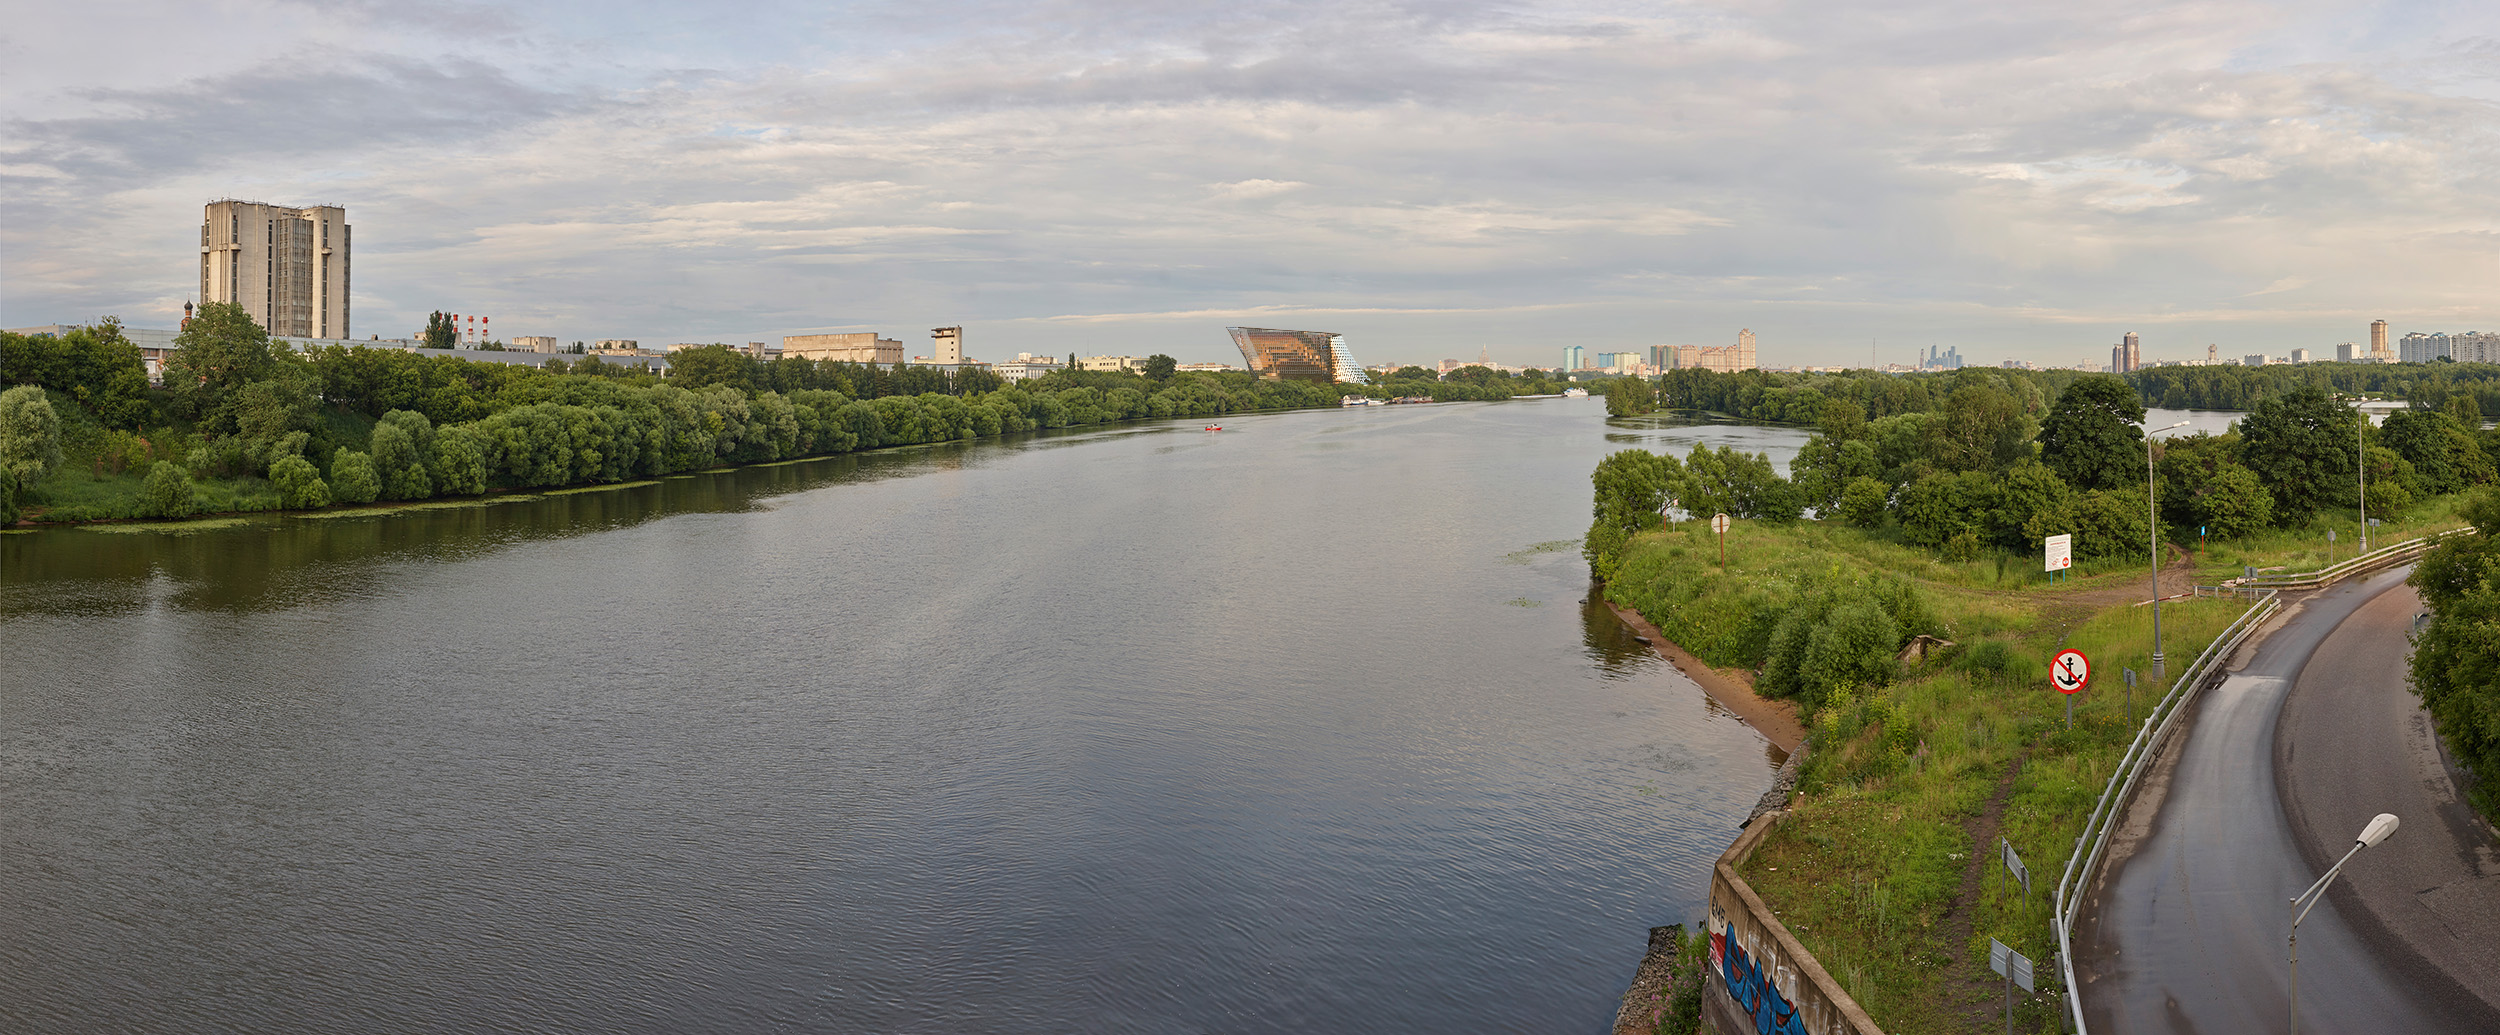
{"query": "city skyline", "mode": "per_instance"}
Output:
(2260, 179)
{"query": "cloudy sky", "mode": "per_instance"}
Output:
(1431, 178)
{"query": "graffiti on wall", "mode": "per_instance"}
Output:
(1753, 988)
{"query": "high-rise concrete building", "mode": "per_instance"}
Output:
(1319, 356)
(949, 350)
(1574, 358)
(2378, 340)
(285, 266)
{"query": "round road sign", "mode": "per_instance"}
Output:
(1719, 524)
(2070, 671)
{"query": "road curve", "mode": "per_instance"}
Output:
(2186, 933)
(2353, 742)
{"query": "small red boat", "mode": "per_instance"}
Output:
(1215, 427)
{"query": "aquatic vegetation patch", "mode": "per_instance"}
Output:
(201, 525)
(1524, 602)
(1551, 546)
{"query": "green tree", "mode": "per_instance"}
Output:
(1412, 373)
(711, 365)
(30, 438)
(1937, 507)
(2091, 438)
(399, 464)
(1632, 487)
(1983, 429)
(1625, 396)
(459, 462)
(2032, 503)
(352, 477)
(2442, 449)
(2232, 503)
(222, 351)
(1159, 367)
(168, 492)
(299, 483)
(441, 333)
(2111, 523)
(2456, 658)
(2301, 446)
(1862, 502)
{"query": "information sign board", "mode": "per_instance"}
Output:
(2060, 553)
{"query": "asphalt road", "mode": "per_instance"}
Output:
(2187, 933)
(2352, 743)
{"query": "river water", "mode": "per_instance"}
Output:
(1305, 725)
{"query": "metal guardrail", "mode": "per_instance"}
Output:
(2158, 721)
(2093, 841)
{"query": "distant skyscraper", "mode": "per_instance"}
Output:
(2378, 341)
(1319, 356)
(1573, 356)
(285, 266)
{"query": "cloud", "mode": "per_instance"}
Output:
(2003, 177)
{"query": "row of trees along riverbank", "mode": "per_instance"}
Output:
(1929, 522)
(1990, 463)
(2471, 390)
(244, 424)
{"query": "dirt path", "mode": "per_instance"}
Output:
(1775, 720)
(1969, 996)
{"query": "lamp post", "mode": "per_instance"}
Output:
(2361, 472)
(2152, 524)
(2379, 827)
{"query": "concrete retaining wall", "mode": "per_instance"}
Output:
(1759, 979)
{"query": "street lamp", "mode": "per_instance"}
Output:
(2152, 524)
(2380, 826)
(2361, 471)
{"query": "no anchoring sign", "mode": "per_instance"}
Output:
(2070, 671)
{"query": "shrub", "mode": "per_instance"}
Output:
(168, 492)
(299, 483)
(352, 478)
(1862, 502)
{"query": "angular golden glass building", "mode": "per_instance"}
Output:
(1319, 356)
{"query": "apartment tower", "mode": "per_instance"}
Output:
(288, 267)
(949, 346)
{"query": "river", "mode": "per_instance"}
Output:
(1305, 725)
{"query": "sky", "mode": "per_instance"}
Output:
(1850, 180)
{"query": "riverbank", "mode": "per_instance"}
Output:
(1886, 867)
(1732, 688)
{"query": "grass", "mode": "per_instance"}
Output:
(1872, 856)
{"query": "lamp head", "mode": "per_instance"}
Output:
(2167, 427)
(2380, 826)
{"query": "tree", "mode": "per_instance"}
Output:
(352, 478)
(1632, 487)
(222, 351)
(711, 365)
(2443, 452)
(1159, 367)
(459, 463)
(2091, 438)
(2232, 503)
(399, 465)
(168, 492)
(1625, 396)
(1412, 373)
(2033, 503)
(30, 438)
(2456, 658)
(2301, 446)
(299, 483)
(1983, 429)
(441, 333)
(1862, 502)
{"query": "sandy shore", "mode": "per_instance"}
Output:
(1775, 720)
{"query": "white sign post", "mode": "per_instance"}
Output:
(2058, 553)
(1718, 523)
(2017, 970)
